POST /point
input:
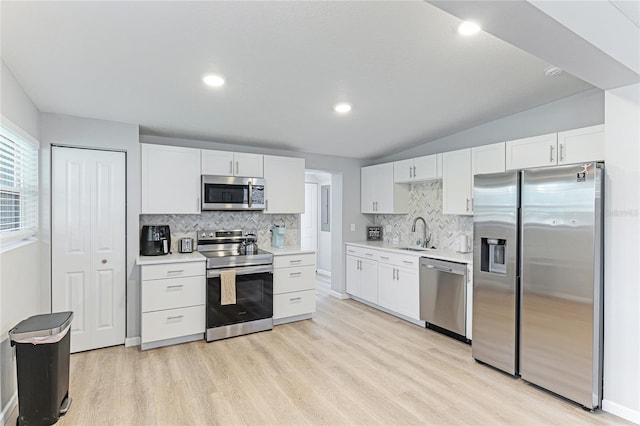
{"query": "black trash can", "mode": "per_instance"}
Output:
(42, 357)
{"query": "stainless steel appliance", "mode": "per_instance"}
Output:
(232, 193)
(155, 240)
(253, 307)
(538, 277)
(186, 245)
(443, 294)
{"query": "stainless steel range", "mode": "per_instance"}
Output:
(239, 284)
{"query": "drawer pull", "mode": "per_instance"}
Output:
(295, 261)
(385, 258)
(368, 254)
(408, 262)
(175, 317)
(176, 286)
(177, 271)
(351, 251)
(295, 299)
(295, 274)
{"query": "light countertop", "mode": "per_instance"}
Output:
(449, 255)
(170, 258)
(287, 250)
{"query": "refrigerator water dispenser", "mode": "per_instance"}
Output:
(494, 256)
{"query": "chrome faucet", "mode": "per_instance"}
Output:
(425, 241)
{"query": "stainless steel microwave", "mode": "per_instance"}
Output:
(232, 193)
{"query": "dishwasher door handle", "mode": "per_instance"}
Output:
(447, 270)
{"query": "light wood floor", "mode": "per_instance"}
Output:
(349, 365)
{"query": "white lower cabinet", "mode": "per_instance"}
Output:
(173, 297)
(362, 273)
(294, 287)
(409, 291)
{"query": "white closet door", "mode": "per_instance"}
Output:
(88, 258)
(309, 219)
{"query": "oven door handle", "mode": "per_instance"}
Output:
(245, 270)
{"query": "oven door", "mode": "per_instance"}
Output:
(254, 296)
(232, 193)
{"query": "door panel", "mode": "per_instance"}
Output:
(88, 244)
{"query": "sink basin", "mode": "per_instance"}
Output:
(417, 248)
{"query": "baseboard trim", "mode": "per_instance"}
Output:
(621, 411)
(8, 409)
(341, 296)
(131, 341)
(323, 273)
(287, 320)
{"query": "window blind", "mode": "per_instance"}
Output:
(18, 187)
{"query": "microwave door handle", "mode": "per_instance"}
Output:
(250, 191)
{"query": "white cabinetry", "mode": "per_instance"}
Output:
(581, 145)
(294, 287)
(362, 273)
(488, 159)
(456, 182)
(170, 180)
(399, 284)
(172, 303)
(418, 169)
(227, 163)
(537, 151)
(379, 193)
(284, 185)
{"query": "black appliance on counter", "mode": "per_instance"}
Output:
(155, 240)
(252, 310)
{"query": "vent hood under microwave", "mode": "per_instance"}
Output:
(232, 193)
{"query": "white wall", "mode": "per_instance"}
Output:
(66, 130)
(621, 392)
(19, 274)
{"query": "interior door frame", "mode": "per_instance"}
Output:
(126, 221)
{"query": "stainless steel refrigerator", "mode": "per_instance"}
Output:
(538, 277)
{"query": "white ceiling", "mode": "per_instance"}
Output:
(410, 77)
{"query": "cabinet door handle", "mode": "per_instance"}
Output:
(231, 167)
(410, 172)
(397, 274)
(198, 204)
(266, 205)
(175, 317)
(237, 167)
(561, 152)
(176, 286)
(467, 204)
(551, 153)
(414, 171)
(394, 273)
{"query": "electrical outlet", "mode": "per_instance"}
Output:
(353, 227)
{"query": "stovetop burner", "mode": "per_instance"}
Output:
(222, 249)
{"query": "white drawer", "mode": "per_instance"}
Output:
(366, 253)
(173, 293)
(399, 259)
(160, 325)
(290, 260)
(292, 304)
(286, 280)
(172, 270)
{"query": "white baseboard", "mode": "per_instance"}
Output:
(341, 296)
(131, 341)
(8, 409)
(323, 273)
(621, 411)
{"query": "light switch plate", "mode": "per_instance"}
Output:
(353, 227)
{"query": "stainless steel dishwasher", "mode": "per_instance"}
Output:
(443, 295)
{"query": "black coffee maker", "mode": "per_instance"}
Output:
(155, 240)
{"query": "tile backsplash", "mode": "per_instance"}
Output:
(187, 225)
(425, 199)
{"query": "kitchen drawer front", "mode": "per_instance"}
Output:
(286, 280)
(160, 325)
(362, 252)
(171, 270)
(172, 293)
(291, 260)
(292, 304)
(399, 259)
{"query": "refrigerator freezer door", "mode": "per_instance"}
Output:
(560, 337)
(495, 291)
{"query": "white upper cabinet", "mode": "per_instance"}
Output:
(581, 145)
(456, 182)
(170, 180)
(418, 169)
(537, 151)
(227, 163)
(488, 159)
(379, 193)
(283, 185)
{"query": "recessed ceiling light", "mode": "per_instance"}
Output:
(342, 107)
(552, 71)
(213, 80)
(468, 28)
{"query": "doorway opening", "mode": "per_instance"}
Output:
(316, 222)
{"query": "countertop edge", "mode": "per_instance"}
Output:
(433, 254)
(170, 258)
